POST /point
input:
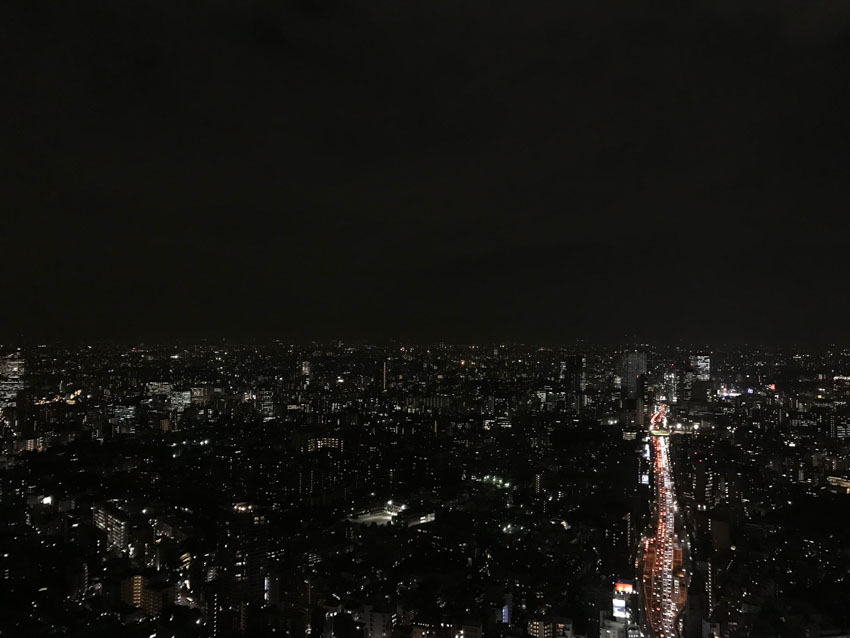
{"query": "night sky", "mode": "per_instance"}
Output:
(436, 169)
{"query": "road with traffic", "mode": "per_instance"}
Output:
(661, 580)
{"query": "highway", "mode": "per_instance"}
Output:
(661, 580)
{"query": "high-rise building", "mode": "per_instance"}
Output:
(114, 522)
(265, 401)
(243, 557)
(671, 386)
(573, 373)
(151, 596)
(11, 379)
(632, 368)
(701, 363)
(180, 399)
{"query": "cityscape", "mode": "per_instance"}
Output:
(425, 319)
(357, 491)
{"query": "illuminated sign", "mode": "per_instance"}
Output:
(620, 608)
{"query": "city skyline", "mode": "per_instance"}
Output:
(221, 490)
(439, 319)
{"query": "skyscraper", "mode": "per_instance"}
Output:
(573, 373)
(11, 379)
(671, 386)
(632, 367)
(701, 363)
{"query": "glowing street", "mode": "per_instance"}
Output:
(663, 592)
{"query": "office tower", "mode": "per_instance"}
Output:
(688, 385)
(180, 399)
(671, 386)
(573, 373)
(701, 363)
(11, 379)
(265, 401)
(632, 367)
(158, 388)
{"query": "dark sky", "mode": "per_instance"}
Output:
(435, 169)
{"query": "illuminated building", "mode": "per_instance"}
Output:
(573, 373)
(671, 386)
(265, 401)
(540, 628)
(158, 388)
(701, 363)
(112, 521)
(623, 590)
(550, 627)
(378, 624)
(140, 591)
(562, 627)
(11, 379)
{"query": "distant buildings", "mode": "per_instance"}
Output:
(469, 492)
(550, 627)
